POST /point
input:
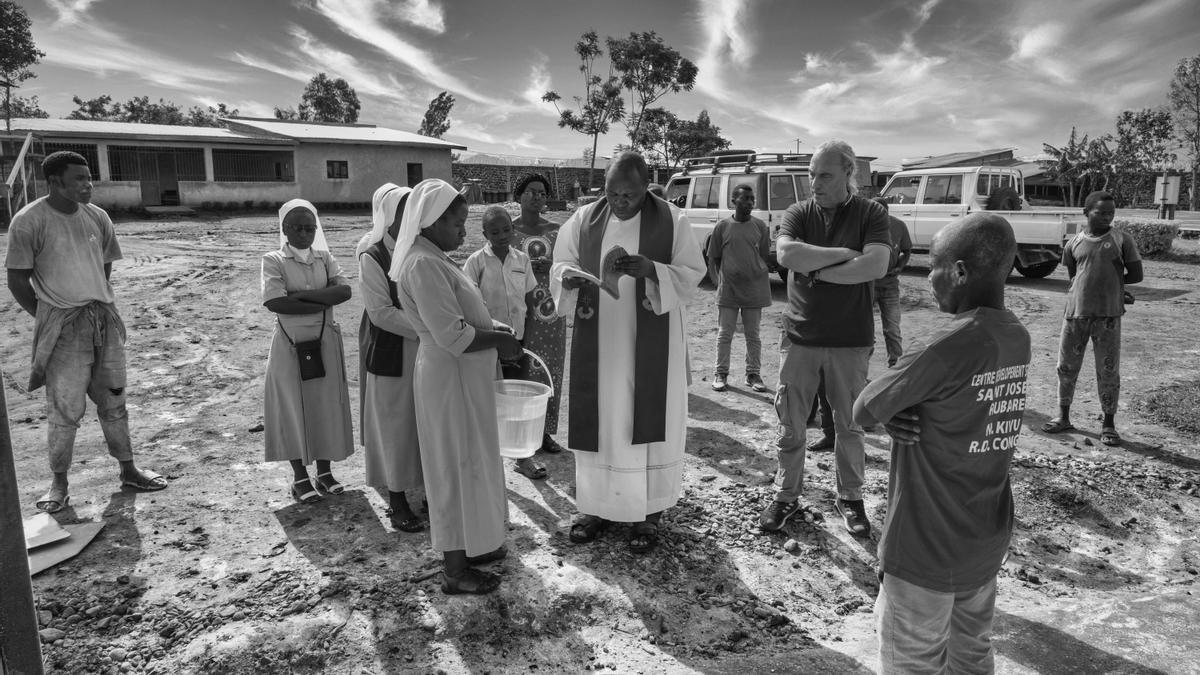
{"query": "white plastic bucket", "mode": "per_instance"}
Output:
(521, 414)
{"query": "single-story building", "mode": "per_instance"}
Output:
(251, 162)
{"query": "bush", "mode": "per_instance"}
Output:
(1151, 236)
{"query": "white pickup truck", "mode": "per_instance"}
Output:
(928, 199)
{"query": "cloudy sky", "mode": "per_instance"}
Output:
(896, 79)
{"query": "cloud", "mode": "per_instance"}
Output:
(728, 41)
(363, 21)
(76, 32)
(475, 132)
(423, 14)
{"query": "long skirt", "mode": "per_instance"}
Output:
(307, 419)
(389, 427)
(460, 449)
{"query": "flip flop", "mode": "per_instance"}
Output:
(643, 537)
(551, 446)
(146, 481)
(1057, 427)
(531, 470)
(586, 529)
(331, 485)
(53, 501)
(305, 496)
(470, 581)
(413, 524)
(1109, 436)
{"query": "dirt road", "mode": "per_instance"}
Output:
(224, 573)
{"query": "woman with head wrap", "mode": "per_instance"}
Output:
(453, 387)
(545, 330)
(306, 406)
(388, 349)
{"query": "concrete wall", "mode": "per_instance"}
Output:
(220, 195)
(369, 167)
(120, 195)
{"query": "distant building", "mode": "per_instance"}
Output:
(253, 162)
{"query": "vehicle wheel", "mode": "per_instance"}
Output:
(1004, 199)
(783, 274)
(1037, 270)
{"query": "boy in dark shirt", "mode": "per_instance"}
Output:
(1100, 261)
(954, 409)
(737, 263)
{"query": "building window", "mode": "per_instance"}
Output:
(415, 174)
(337, 169)
(248, 166)
(87, 150)
(148, 162)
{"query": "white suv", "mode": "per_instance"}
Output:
(704, 188)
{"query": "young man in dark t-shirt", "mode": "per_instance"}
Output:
(954, 410)
(835, 244)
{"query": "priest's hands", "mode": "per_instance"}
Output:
(573, 283)
(636, 266)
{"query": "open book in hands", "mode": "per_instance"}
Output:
(608, 272)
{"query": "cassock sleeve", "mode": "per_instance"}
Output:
(377, 300)
(437, 305)
(566, 253)
(677, 281)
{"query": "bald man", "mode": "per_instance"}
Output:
(954, 410)
(629, 377)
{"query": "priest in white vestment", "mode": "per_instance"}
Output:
(629, 362)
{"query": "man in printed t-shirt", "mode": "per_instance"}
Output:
(954, 409)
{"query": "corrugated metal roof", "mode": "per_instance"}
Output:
(134, 130)
(341, 133)
(951, 159)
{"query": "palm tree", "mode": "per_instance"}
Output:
(1064, 164)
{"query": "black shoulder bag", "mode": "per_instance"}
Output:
(309, 353)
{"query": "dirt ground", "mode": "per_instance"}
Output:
(225, 573)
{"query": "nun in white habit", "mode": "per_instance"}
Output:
(388, 351)
(305, 420)
(453, 387)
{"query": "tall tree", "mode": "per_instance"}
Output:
(30, 107)
(654, 136)
(326, 100)
(601, 103)
(17, 52)
(648, 69)
(696, 138)
(436, 123)
(1096, 168)
(1143, 148)
(142, 109)
(1184, 96)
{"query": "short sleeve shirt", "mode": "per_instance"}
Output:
(503, 284)
(826, 314)
(743, 249)
(1099, 284)
(67, 252)
(950, 506)
(901, 242)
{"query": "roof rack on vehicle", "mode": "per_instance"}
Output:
(748, 159)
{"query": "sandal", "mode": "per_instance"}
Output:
(643, 537)
(531, 469)
(326, 482)
(145, 480)
(1057, 426)
(305, 496)
(586, 528)
(489, 557)
(411, 524)
(53, 501)
(1109, 436)
(470, 581)
(551, 446)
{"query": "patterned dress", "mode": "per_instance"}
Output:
(545, 330)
